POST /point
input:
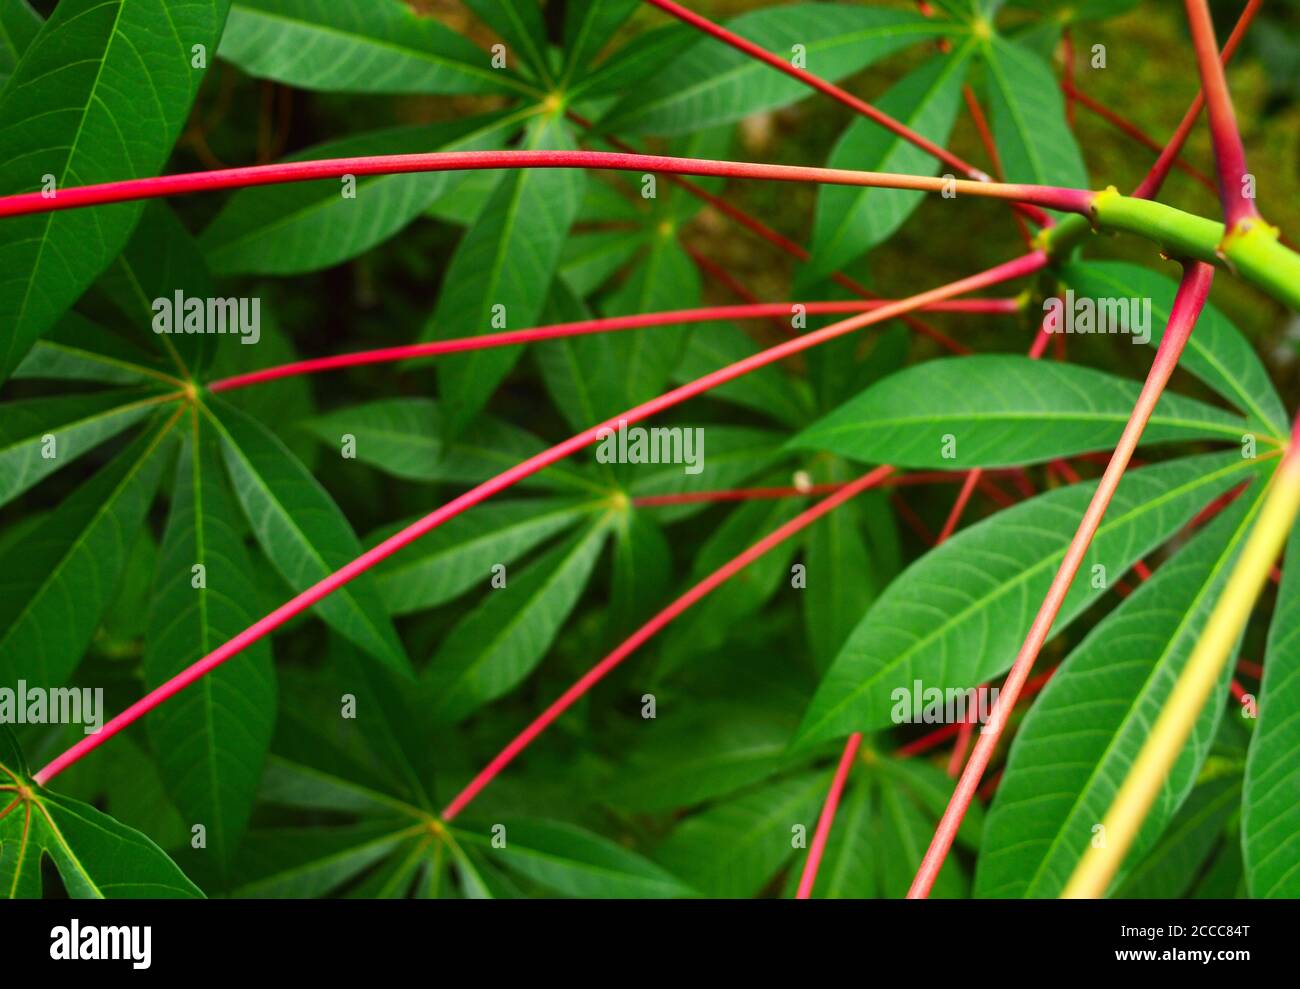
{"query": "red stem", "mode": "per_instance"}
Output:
(827, 89)
(1027, 264)
(673, 317)
(777, 240)
(154, 187)
(1133, 131)
(827, 818)
(1149, 187)
(1193, 291)
(1229, 154)
(648, 630)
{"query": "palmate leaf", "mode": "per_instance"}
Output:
(710, 83)
(58, 577)
(296, 863)
(642, 571)
(957, 616)
(302, 531)
(290, 229)
(588, 27)
(733, 848)
(96, 856)
(501, 273)
(78, 423)
(848, 221)
(1001, 410)
(357, 46)
(455, 557)
(498, 644)
(570, 860)
(1033, 139)
(211, 739)
(114, 81)
(519, 23)
(642, 57)
(1271, 803)
(1217, 353)
(1081, 736)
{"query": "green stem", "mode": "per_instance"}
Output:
(1253, 251)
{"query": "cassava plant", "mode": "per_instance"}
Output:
(406, 489)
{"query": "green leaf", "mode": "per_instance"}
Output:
(701, 755)
(459, 555)
(841, 581)
(571, 861)
(770, 390)
(78, 350)
(500, 274)
(588, 27)
(77, 424)
(646, 54)
(212, 738)
(56, 580)
(489, 446)
(905, 834)
(19, 25)
(357, 46)
(632, 366)
(306, 226)
(1173, 865)
(298, 863)
(591, 258)
(958, 615)
(733, 455)
(161, 259)
(1033, 139)
(849, 867)
(97, 857)
(565, 362)
(303, 532)
(1270, 809)
(1080, 738)
(113, 83)
(519, 23)
(851, 221)
(733, 848)
(399, 436)
(1217, 353)
(494, 647)
(710, 83)
(931, 788)
(707, 625)
(643, 568)
(1001, 410)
